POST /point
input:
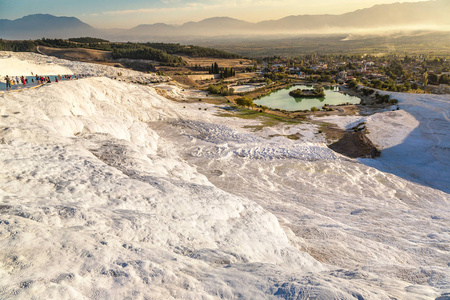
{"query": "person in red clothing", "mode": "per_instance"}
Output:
(23, 81)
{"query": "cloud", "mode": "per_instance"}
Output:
(170, 1)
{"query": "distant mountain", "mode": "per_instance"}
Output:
(403, 16)
(208, 27)
(408, 14)
(44, 25)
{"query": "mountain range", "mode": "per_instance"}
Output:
(45, 25)
(408, 15)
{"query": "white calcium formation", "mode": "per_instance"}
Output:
(110, 191)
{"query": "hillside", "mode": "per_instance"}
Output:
(109, 190)
(137, 56)
(77, 54)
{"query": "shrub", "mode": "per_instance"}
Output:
(367, 91)
(382, 98)
(393, 101)
(318, 91)
(220, 89)
(244, 101)
(353, 84)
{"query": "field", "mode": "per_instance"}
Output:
(223, 62)
(105, 57)
(78, 54)
(437, 43)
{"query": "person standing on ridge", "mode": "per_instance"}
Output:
(8, 83)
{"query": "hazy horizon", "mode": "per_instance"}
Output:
(117, 14)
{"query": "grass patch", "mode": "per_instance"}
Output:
(256, 127)
(331, 131)
(215, 100)
(290, 136)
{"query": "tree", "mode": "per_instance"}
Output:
(367, 91)
(352, 84)
(377, 84)
(244, 101)
(425, 79)
(444, 79)
(433, 79)
(325, 77)
(395, 69)
(407, 85)
(85, 40)
(216, 68)
(220, 89)
(228, 72)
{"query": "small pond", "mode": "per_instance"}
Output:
(281, 99)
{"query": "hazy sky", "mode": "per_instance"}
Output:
(129, 13)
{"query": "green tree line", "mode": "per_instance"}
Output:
(17, 46)
(191, 50)
(161, 52)
(87, 40)
(147, 53)
(224, 73)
